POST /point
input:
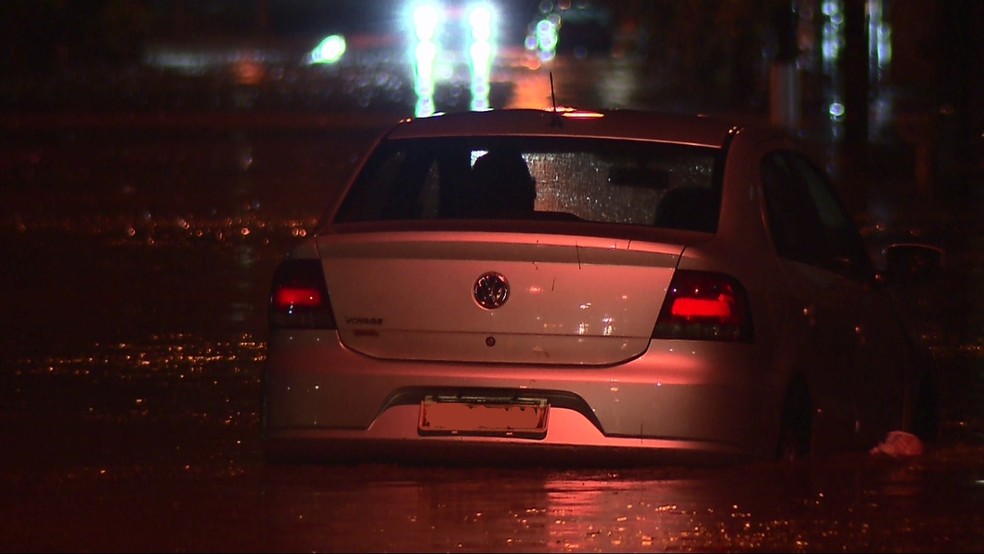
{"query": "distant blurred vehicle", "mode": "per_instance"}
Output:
(579, 29)
(588, 285)
(452, 42)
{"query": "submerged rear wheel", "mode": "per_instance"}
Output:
(795, 433)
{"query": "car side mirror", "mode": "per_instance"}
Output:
(912, 263)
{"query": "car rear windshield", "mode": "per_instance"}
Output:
(595, 180)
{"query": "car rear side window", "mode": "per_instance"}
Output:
(605, 181)
(807, 220)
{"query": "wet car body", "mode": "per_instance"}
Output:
(685, 290)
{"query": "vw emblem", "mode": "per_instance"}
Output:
(491, 291)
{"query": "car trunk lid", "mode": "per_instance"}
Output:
(570, 300)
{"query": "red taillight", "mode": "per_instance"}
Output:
(702, 305)
(720, 308)
(289, 297)
(299, 298)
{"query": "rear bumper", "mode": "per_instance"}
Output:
(570, 441)
(684, 401)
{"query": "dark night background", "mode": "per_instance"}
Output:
(158, 158)
(76, 55)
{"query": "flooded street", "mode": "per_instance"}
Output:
(135, 271)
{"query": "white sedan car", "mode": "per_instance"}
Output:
(571, 286)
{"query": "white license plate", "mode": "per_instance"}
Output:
(525, 417)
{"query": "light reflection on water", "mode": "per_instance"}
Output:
(151, 230)
(161, 376)
(763, 508)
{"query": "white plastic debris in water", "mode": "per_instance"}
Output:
(899, 444)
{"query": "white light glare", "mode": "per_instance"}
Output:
(330, 50)
(481, 18)
(426, 20)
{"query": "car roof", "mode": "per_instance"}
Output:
(609, 124)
